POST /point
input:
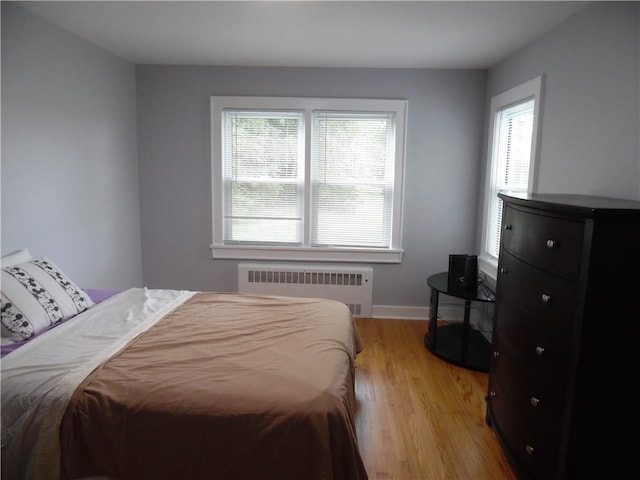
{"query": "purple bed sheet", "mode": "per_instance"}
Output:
(96, 296)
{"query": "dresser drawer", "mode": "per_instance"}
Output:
(537, 394)
(549, 299)
(529, 442)
(550, 243)
(533, 343)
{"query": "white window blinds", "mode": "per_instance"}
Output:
(263, 174)
(512, 156)
(352, 177)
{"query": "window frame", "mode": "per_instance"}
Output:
(532, 89)
(306, 252)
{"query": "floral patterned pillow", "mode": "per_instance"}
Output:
(35, 295)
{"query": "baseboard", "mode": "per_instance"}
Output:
(451, 312)
(401, 313)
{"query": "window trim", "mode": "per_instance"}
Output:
(306, 252)
(532, 89)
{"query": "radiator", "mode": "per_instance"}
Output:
(352, 286)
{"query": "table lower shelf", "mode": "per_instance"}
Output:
(449, 347)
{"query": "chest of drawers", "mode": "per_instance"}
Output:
(565, 360)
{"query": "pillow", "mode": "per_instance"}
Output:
(36, 295)
(19, 256)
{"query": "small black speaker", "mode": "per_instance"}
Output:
(463, 271)
(470, 280)
(457, 265)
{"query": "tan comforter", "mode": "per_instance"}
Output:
(228, 386)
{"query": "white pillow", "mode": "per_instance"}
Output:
(35, 295)
(19, 256)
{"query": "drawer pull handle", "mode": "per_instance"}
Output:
(552, 244)
(546, 298)
(496, 354)
(492, 394)
(508, 227)
(535, 401)
(503, 270)
(539, 351)
(529, 449)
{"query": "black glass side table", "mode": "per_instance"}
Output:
(457, 343)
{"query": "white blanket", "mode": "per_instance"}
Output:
(39, 378)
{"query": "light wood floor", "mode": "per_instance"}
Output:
(418, 417)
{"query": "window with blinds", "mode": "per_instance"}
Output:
(514, 129)
(511, 159)
(263, 168)
(308, 178)
(352, 172)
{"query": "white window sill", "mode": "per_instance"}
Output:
(307, 254)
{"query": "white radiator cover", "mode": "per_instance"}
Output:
(352, 286)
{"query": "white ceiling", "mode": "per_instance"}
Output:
(449, 34)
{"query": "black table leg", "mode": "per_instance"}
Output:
(465, 332)
(430, 337)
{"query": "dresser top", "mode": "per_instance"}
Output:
(587, 205)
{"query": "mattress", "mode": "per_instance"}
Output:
(176, 384)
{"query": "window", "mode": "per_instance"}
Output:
(307, 179)
(263, 166)
(511, 159)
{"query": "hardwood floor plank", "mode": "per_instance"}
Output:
(419, 417)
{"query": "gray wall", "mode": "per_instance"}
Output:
(70, 185)
(69, 159)
(591, 110)
(446, 110)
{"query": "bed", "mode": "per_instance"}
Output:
(153, 383)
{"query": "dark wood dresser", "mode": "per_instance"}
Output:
(566, 346)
